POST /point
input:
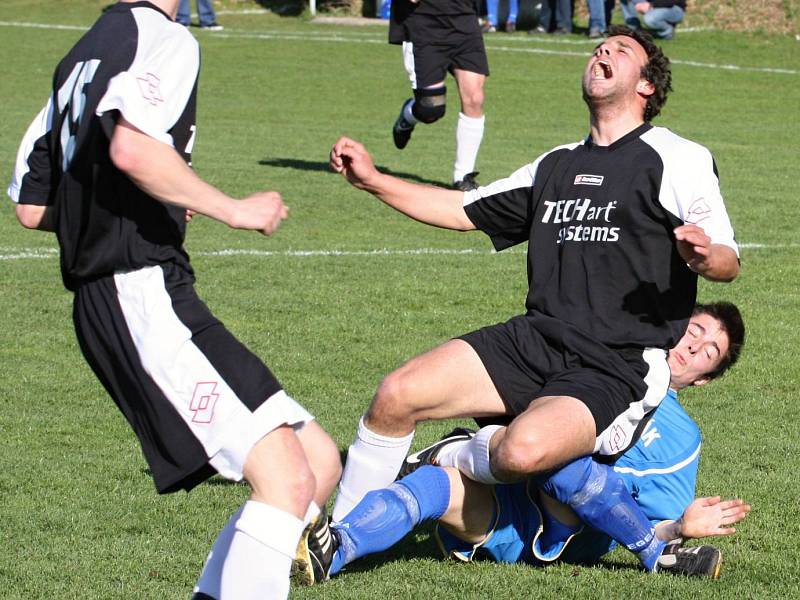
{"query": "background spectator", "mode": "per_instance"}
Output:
(492, 16)
(555, 16)
(205, 11)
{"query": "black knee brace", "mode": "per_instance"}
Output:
(429, 105)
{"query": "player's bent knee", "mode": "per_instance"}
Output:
(520, 457)
(429, 104)
(394, 398)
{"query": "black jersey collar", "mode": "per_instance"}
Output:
(631, 135)
(125, 6)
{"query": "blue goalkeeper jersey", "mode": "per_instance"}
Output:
(660, 471)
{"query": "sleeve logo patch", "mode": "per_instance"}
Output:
(584, 179)
(698, 211)
(150, 88)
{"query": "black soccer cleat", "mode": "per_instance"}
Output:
(699, 561)
(401, 131)
(468, 183)
(315, 550)
(427, 456)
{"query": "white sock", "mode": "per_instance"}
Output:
(311, 514)
(253, 557)
(408, 115)
(469, 133)
(209, 580)
(471, 457)
(373, 461)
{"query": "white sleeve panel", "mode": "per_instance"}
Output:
(41, 124)
(523, 177)
(690, 186)
(153, 93)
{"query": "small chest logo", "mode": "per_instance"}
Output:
(203, 401)
(588, 179)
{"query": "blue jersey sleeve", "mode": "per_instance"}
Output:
(661, 469)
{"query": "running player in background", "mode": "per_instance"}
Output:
(440, 36)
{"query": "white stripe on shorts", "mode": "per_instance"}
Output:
(408, 63)
(223, 424)
(617, 436)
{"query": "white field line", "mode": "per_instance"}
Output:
(10, 253)
(350, 38)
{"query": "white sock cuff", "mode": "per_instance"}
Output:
(471, 122)
(375, 439)
(270, 526)
(312, 513)
(483, 467)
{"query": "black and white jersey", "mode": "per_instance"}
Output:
(135, 62)
(598, 222)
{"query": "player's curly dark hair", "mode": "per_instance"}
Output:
(657, 70)
(732, 323)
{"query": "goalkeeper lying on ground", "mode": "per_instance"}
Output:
(644, 501)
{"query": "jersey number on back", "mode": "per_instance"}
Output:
(72, 96)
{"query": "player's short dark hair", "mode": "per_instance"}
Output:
(732, 323)
(657, 70)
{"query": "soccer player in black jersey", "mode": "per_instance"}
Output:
(618, 227)
(441, 36)
(105, 166)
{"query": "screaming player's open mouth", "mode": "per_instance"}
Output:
(602, 70)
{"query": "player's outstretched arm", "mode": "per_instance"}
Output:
(160, 171)
(705, 517)
(715, 262)
(424, 203)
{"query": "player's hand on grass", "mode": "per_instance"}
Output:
(712, 516)
(262, 212)
(352, 160)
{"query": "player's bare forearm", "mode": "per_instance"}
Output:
(715, 262)
(724, 264)
(32, 216)
(427, 204)
(159, 170)
(424, 203)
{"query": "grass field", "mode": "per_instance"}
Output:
(348, 289)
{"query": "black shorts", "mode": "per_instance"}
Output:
(192, 393)
(532, 355)
(437, 45)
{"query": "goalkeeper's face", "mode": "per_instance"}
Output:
(698, 353)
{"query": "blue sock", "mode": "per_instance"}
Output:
(599, 497)
(385, 516)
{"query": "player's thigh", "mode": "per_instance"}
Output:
(446, 382)
(552, 431)
(425, 64)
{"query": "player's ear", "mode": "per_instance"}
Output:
(701, 381)
(645, 88)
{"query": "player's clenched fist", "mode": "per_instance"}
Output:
(262, 212)
(352, 160)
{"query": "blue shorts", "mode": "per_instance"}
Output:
(515, 535)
